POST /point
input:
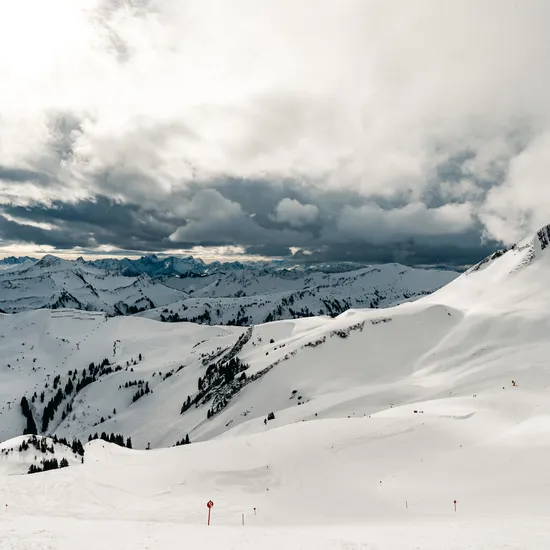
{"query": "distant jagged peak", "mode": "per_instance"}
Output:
(16, 260)
(149, 258)
(48, 260)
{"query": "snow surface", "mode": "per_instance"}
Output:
(382, 419)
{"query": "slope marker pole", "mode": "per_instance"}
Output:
(209, 505)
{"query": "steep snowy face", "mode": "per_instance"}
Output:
(510, 278)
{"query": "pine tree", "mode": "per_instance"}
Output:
(25, 406)
(129, 443)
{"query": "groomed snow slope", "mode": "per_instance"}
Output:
(447, 399)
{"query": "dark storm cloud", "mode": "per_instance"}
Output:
(406, 253)
(13, 232)
(243, 213)
(269, 250)
(90, 223)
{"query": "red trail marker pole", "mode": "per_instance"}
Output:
(209, 505)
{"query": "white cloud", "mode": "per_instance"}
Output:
(365, 94)
(23, 221)
(370, 223)
(521, 205)
(295, 213)
(210, 215)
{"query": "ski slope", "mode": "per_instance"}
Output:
(382, 419)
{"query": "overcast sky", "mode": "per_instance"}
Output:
(368, 130)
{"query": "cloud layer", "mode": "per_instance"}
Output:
(378, 130)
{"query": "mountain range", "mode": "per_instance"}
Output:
(429, 414)
(219, 293)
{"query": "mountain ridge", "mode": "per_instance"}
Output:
(246, 295)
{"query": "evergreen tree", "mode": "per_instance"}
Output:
(31, 425)
(25, 406)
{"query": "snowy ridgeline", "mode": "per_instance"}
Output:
(230, 296)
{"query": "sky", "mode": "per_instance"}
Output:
(359, 130)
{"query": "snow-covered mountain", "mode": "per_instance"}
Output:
(15, 260)
(11, 261)
(151, 265)
(213, 378)
(231, 294)
(56, 283)
(169, 266)
(252, 297)
(371, 426)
